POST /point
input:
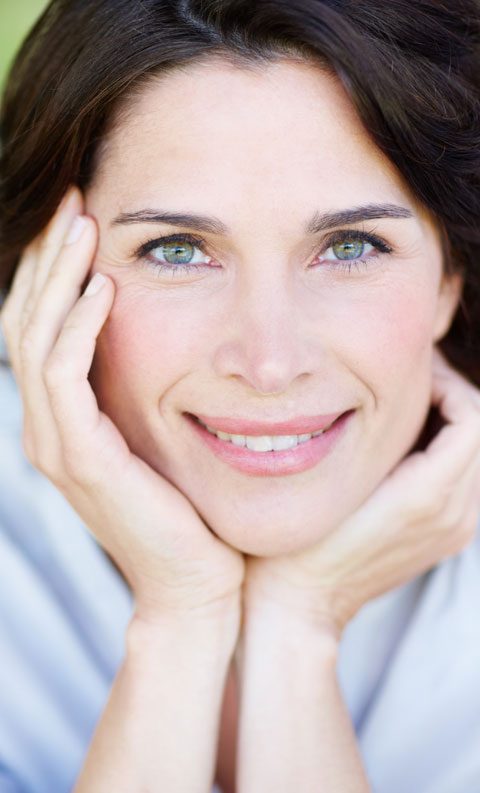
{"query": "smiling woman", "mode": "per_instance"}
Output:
(260, 418)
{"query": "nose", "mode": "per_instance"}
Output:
(270, 339)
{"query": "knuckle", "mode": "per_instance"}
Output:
(57, 275)
(53, 472)
(44, 460)
(77, 470)
(27, 309)
(47, 467)
(54, 370)
(46, 244)
(427, 504)
(47, 461)
(61, 365)
(28, 344)
(71, 327)
(451, 522)
(72, 467)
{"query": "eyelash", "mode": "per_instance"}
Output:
(337, 236)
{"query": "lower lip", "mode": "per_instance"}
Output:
(288, 461)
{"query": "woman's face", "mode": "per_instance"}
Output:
(263, 319)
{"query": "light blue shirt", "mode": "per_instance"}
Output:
(409, 664)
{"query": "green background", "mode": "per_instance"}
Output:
(16, 18)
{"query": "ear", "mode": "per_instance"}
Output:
(450, 292)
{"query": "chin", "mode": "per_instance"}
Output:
(273, 536)
(288, 522)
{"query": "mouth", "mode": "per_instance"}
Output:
(264, 443)
(270, 455)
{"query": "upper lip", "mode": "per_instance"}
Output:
(298, 426)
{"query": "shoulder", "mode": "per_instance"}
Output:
(63, 614)
(37, 523)
(407, 659)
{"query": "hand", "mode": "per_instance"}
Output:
(151, 530)
(424, 511)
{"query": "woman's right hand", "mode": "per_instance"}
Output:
(172, 561)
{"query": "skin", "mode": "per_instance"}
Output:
(186, 583)
(261, 333)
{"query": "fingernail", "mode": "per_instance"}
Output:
(76, 230)
(95, 284)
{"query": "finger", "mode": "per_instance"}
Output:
(73, 402)
(13, 305)
(442, 370)
(31, 272)
(425, 480)
(59, 294)
(458, 442)
(61, 290)
(465, 522)
(462, 493)
(52, 238)
(473, 485)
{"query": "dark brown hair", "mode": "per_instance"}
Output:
(411, 68)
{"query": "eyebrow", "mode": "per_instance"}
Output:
(212, 225)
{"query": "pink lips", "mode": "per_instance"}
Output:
(272, 463)
(298, 426)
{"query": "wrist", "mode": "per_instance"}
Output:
(306, 609)
(293, 648)
(217, 624)
(156, 608)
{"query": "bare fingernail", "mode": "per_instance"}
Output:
(95, 284)
(76, 230)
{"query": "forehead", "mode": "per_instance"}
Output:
(286, 129)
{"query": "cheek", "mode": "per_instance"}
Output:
(147, 345)
(392, 330)
(391, 354)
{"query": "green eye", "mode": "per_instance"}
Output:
(178, 253)
(348, 249)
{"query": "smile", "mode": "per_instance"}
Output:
(265, 443)
(270, 455)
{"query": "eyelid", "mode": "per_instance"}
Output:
(357, 234)
(157, 242)
(328, 240)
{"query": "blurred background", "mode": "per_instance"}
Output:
(16, 18)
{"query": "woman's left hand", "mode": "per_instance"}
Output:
(424, 511)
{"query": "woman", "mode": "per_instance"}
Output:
(258, 427)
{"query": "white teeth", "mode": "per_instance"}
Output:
(265, 443)
(281, 442)
(238, 440)
(262, 443)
